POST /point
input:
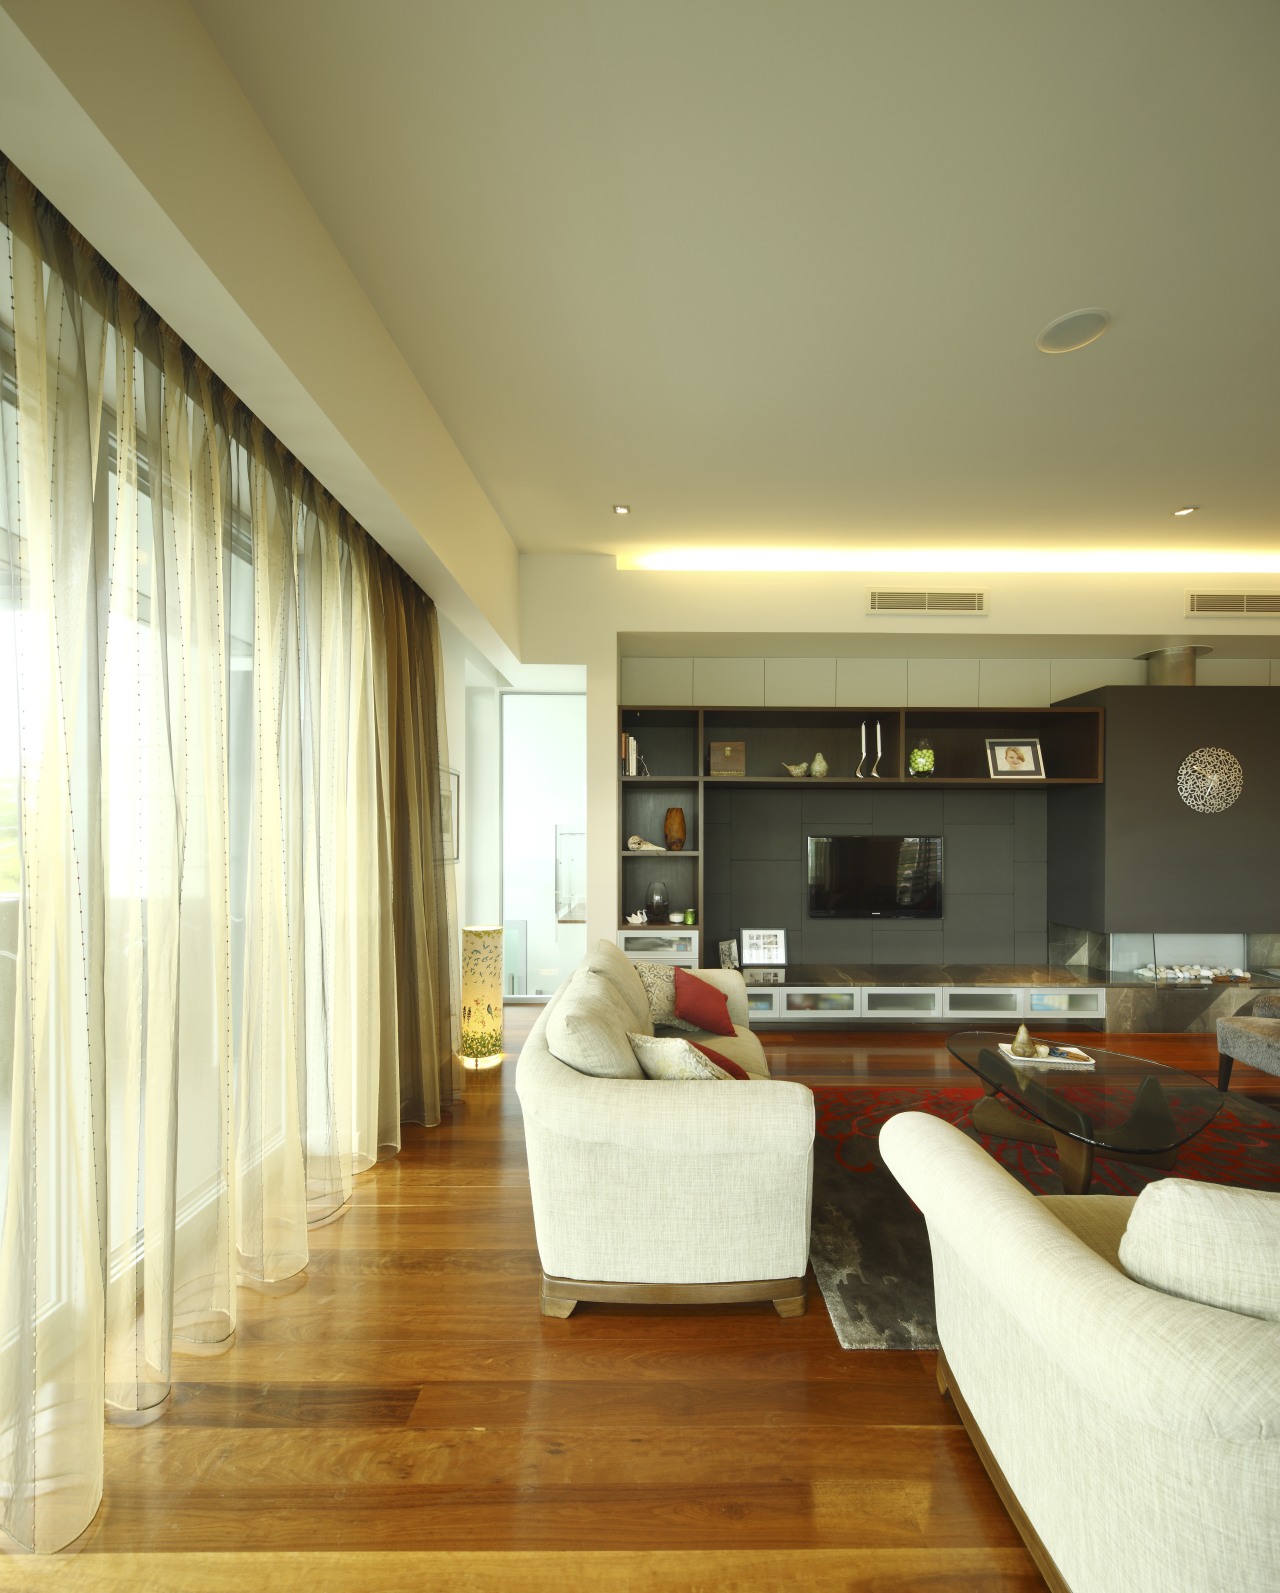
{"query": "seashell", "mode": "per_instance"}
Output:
(818, 768)
(797, 771)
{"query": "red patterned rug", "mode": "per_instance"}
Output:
(870, 1249)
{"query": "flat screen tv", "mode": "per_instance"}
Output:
(875, 876)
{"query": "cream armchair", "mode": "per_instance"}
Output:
(1133, 1434)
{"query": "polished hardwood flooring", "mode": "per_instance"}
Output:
(401, 1417)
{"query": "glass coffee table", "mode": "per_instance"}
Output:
(1122, 1106)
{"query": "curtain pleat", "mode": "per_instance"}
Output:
(226, 917)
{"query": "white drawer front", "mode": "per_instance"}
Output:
(1053, 1003)
(984, 1001)
(660, 944)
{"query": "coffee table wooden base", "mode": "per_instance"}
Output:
(1075, 1159)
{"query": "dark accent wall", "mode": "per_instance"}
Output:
(1131, 855)
(994, 903)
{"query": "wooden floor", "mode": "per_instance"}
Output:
(403, 1417)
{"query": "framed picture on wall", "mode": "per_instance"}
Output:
(1014, 760)
(764, 947)
(450, 814)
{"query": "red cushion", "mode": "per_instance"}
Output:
(733, 1069)
(701, 1004)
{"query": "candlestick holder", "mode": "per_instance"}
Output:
(857, 773)
(875, 767)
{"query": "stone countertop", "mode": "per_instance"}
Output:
(965, 974)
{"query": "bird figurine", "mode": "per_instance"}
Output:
(797, 771)
(818, 768)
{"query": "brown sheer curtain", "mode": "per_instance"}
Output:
(226, 926)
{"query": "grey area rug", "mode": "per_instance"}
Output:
(870, 1246)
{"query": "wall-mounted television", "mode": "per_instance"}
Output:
(875, 876)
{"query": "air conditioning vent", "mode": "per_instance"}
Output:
(1243, 605)
(927, 603)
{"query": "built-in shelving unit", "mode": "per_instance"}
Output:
(674, 743)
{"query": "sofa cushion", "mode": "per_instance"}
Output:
(1207, 1242)
(659, 981)
(735, 1070)
(744, 1047)
(587, 1029)
(669, 1057)
(613, 964)
(701, 1004)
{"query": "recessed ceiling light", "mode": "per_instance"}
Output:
(622, 508)
(1072, 331)
(1187, 508)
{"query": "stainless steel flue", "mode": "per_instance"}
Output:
(1173, 666)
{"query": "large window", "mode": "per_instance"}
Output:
(544, 823)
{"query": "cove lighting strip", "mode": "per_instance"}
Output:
(957, 561)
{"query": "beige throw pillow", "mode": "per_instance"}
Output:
(587, 1028)
(1207, 1242)
(613, 964)
(669, 1057)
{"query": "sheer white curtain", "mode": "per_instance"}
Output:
(224, 902)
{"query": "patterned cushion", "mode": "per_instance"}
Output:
(612, 964)
(1207, 1242)
(659, 981)
(672, 1058)
(587, 1028)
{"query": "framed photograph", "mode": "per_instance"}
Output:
(764, 947)
(450, 814)
(1014, 760)
(728, 953)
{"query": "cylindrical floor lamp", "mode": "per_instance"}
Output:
(481, 1026)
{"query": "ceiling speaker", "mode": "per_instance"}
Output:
(1073, 331)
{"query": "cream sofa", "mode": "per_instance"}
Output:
(1132, 1432)
(658, 1191)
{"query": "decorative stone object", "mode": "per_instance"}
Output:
(1023, 1044)
(818, 768)
(797, 771)
(1192, 973)
(636, 844)
(673, 829)
(921, 760)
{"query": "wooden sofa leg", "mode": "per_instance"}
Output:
(560, 1305)
(793, 1304)
(1224, 1070)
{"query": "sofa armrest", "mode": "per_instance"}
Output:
(1151, 1358)
(689, 1117)
(734, 986)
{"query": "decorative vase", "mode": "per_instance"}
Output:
(673, 829)
(657, 903)
(921, 759)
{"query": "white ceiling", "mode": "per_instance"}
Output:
(772, 273)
